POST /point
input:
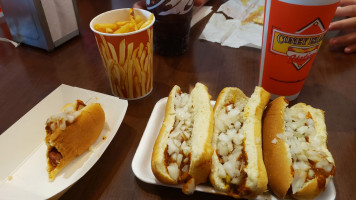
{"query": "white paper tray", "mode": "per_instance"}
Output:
(23, 173)
(141, 163)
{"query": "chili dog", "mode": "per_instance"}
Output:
(182, 151)
(237, 164)
(297, 160)
(70, 133)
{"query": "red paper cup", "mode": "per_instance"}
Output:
(292, 34)
(127, 57)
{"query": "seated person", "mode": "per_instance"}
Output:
(347, 25)
(347, 41)
(142, 3)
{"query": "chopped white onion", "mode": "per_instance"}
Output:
(298, 180)
(230, 168)
(172, 148)
(304, 145)
(274, 141)
(221, 171)
(174, 156)
(179, 159)
(228, 124)
(311, 173)
(185, 168)
(178, 142)
(173, 171)
(60, 120)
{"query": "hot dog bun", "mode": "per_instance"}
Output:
(182, 151)
(237, 163)
(297, 160)
(71, 133)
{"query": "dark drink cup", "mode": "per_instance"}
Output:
(172, 25)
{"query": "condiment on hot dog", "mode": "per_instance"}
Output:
(297, 160)
(237, 164)
(182, 151)
(71, 133)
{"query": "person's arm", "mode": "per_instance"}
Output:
(348, 41)
(142, 3)
(200, 2)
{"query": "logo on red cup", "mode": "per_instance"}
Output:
(300, 56)
(301, 46)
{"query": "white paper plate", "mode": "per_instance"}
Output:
(141, 163)
(23, 173)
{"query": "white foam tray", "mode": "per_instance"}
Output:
(141, 163)
(23, 173)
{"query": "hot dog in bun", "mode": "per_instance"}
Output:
(297, 160)
(182, 151)
(237, 163)
(70, 133)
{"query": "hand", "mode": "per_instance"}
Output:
(200, 2)
(142, 3)
(348, 41)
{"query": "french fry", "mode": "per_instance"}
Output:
(122, 76)
(108, 70)
(102, 53)
(126, 59)
(138, 69)
(131, 13)
(150, 38)
(103, 27)
(146, 64)
(130, 77)
(107, 54)
(113, 52)
(135, 22)
(134, 54)
(126, 83)
(117, 72)
(129, 51)
(140, 49)
(132, 18)
(137, 87)
(125, 28)
(118, 23)
(148, 77)
(143, 75)
(108, 30)
(148, 22)
(122, 52)
(148, 82)
(143, 58)
(140, 24)
(138, 20)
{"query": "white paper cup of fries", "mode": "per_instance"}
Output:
(124, 38)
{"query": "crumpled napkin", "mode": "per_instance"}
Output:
(231, 32)
(238, 30)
